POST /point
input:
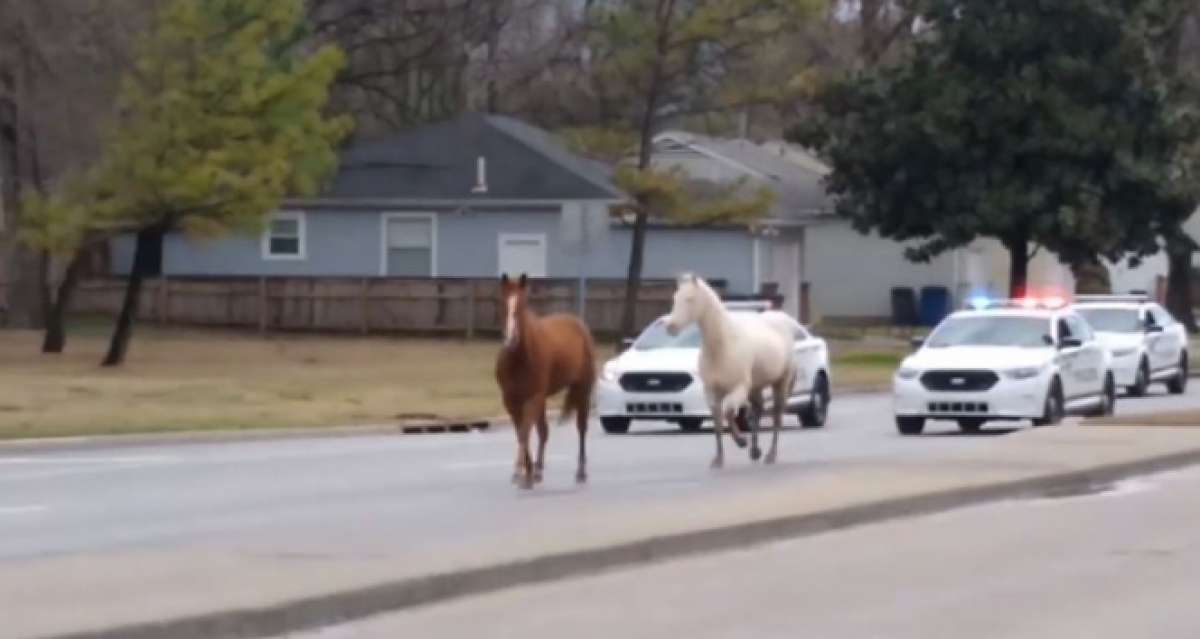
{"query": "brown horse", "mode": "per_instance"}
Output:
(540, 357)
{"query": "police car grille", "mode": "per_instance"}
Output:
(655, 382)
(966, 381)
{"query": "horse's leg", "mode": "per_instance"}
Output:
(753, 412)
(730, 405)
(779, 393)
(529, 417)
(514, 413)
(543, 431)
(580, 399)
(718, 425)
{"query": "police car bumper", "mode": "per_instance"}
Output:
(1006, 399)
(614, 401)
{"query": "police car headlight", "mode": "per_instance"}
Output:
(1124, 352)
(1025, 372)
(610, 373)
(907, 373)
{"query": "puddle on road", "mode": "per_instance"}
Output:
(1095, 489)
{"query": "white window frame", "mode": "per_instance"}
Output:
(383, 239)
(301, 220)
(540, 238)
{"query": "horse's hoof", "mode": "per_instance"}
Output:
(770, 459)
(580, 477)
(717, 464)
(755, 453)
(537, 478)
(526, 483)
(740, 441)
(516, 478)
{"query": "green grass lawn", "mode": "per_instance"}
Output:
(178, 380)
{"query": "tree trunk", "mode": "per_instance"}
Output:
(56, 333)
(664, 14)
(149, 241)
(633, 278)
(493, 55)
(1091, 278)
(1179, 283)
(24, 268)
(1018, 268)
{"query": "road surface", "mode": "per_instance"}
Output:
(352, 494)
(1113, 565)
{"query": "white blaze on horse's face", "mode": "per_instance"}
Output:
(510, 322)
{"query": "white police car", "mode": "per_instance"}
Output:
(657, 378)
(1005, 360)
(1147, 344)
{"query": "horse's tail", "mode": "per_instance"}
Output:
(578, 398)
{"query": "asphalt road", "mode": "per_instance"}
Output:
(343, 494)
(1120, 564)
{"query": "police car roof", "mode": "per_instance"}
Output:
(1011, 311)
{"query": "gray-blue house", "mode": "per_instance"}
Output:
(471, 197)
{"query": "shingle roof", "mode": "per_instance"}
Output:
(793, 174)
(438, 161)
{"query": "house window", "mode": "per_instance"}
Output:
(284, 238)
(409, 245)
(523, 253)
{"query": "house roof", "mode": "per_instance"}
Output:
(439, 162)
(791, 172)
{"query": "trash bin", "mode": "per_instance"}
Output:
(904, 306)
(935, 304)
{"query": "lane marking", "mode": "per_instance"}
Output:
(141, 460)
(21, 510)
(494, 463)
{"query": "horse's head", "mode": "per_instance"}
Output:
(688, 304)
(513, 296)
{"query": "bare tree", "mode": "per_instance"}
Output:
(58, 69)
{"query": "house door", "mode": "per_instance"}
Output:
(522, 253)
(782, 267)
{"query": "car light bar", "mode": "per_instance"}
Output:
(1046, 302)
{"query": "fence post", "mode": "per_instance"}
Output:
(470, 309)
(262, 305)
(164, 300)
(364, 325)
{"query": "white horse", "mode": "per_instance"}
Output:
(741, 354)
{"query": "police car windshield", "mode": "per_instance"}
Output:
(1112, 320)
(656, 336)
(992, 330)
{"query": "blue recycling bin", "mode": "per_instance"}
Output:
(935, 304)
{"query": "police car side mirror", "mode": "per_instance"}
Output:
(1070, 342)
(627, 343)
(917, 342)
(1153, 328)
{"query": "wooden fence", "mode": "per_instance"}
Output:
(466, 307)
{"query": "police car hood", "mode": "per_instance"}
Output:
(978, 357)
(1119, 340)
(685, 360)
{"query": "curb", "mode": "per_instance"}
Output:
(50, 444)
(350, 605)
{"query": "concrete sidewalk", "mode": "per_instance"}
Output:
(262, 588)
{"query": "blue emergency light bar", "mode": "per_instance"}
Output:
(980, 303)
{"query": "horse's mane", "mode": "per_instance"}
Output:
(702, 285)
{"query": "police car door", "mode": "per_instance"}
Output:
(805, 350)
(1089, 363)
(1068, 360)
(1163, 340)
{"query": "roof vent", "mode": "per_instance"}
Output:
(481, 185)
